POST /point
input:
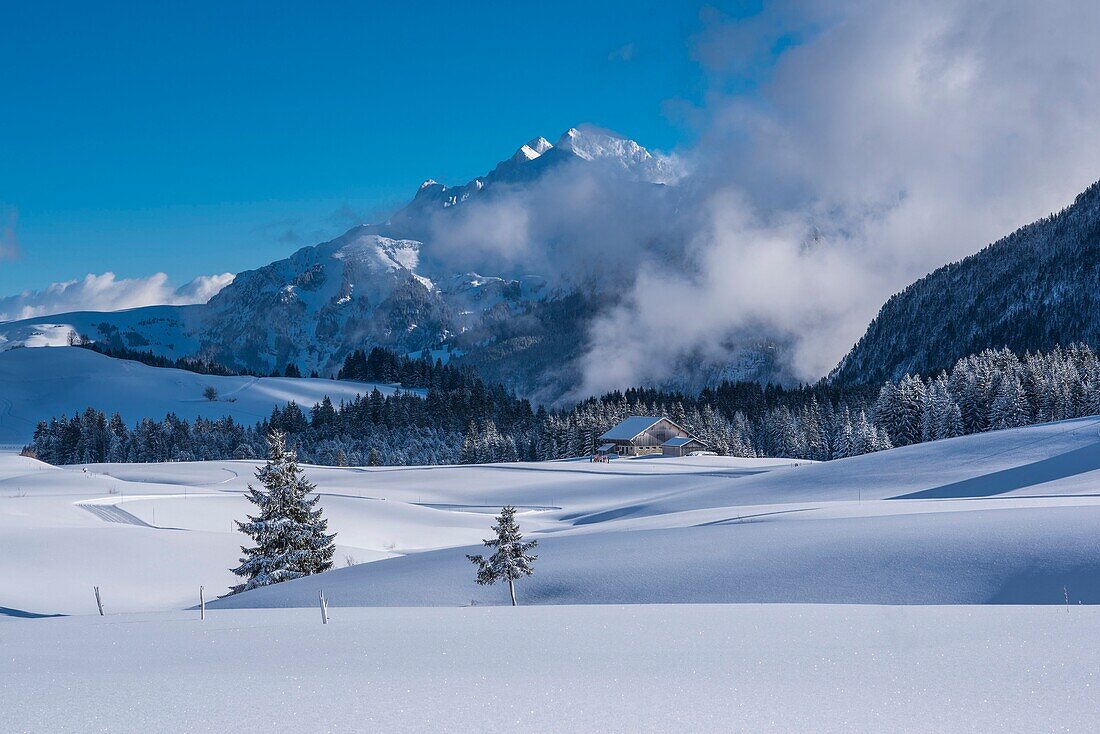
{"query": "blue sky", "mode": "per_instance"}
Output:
(209, 137)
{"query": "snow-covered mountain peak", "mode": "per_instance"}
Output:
(532, 149)
(391, 284)
(429, 187)
(378, 251)
(594, 144)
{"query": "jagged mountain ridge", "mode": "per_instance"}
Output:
(1032, 290)
(531, 161)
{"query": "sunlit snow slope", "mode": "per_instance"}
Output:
(36, 384)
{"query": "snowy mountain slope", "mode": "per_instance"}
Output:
(697, 529)
(705, 668)
(168, 331)
(393, 284)
(1030, 291)
(42, 383)
(311, 307)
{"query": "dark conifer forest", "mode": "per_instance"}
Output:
(447, 415)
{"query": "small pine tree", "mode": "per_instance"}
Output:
(510, 561)
(289, 531)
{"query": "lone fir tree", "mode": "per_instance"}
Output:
(510, 561)
(289, 531)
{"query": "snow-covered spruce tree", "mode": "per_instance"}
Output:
(510, 561)
(289, 531)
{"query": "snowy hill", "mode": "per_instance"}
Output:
(614, 634)
(1008, 518)
(42, 383)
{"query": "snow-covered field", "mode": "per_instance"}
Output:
(637, 616)
(36, 384)
(150, 534)
(657, 668)
(998, 517)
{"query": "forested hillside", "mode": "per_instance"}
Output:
(1031, 291)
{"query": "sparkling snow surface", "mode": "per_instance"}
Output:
(680, 668)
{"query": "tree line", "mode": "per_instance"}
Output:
(460, 419)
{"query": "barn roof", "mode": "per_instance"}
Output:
(631, 427)
(683, 441)
(605, 448)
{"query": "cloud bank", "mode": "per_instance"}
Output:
(877, 142)
(107, 293)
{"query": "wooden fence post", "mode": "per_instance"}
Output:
(98, 600)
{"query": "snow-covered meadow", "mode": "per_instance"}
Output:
(643, 613)
(1006, 516)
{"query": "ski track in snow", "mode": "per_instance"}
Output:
(114, 513)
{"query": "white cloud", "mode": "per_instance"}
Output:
(881, 141)
(202, 288)
(889, 139)
(107, 293)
